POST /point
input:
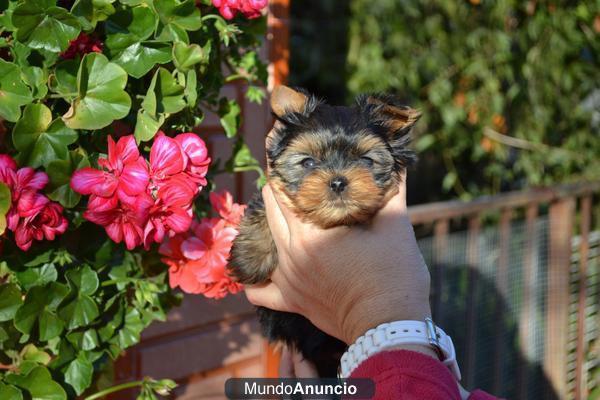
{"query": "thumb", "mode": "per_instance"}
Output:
(268, 295)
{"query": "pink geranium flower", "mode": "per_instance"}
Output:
(39, 218)
(31, 216)
(137, 201)
(124, 172)
(197, 158)
(171, 213)
(250, 8)
(123, 222)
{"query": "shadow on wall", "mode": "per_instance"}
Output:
(484, 330)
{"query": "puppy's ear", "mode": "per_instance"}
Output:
(287, 100)
(398, 118)
(394, 120)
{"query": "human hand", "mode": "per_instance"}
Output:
(293, 365)
(346, 280)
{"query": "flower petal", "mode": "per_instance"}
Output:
(166, 156)
(193, 147)
(92, 181)
(135, 177)
(193, 248)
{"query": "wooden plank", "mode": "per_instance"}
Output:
(502, 288)
(561, 217)
(584, 247)
(528, 306)
(440, 243)
(279, 37)
(428, 213)
(473, 260)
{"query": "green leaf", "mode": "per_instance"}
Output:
(164, 96)
(242, 159)
(84, 279)
(168, 93)
(82, 309)
(13, 92)
(146, 126)
(90, 12)
(31, 353)
(40, 306)
(10, 301)
(229, 113)
(176, 18)
(36, 79)
(186, 56)
(129, 334)
(79, 373)
(37, 276)
(191, 88)
(40, 259)
(101, 99)
(141, 57)
(42, 25)
(60, 172)
(129, 25)
(255, 94)
(39, 139)
(5, 201)
(64, 80)
(9, 392)
(38, 382)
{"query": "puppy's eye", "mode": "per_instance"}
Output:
(367, 160)
(308, 163)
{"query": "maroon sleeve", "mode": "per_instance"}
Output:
(404, 375)
(409, 375)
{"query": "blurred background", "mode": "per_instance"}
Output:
(504, 199)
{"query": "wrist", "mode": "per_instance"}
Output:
(366, 315)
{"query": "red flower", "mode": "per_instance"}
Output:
(139, 202)
(171, 213)
(125, 172)
(83, 44)
(197, 157)
(39, 218)
(210, 244)
(31, 216)
(250, 8)
(123, 222)
(223, 203)
(197, 260)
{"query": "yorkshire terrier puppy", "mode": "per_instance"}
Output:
(333, 166)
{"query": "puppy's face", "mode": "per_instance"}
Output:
(337, 165)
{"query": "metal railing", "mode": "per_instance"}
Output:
(567, 210)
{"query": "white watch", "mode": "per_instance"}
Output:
(396, 333)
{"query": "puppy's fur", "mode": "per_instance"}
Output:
(334, 166)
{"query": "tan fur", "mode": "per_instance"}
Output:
(285, 99)
(315, 203)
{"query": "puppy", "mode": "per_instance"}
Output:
(333, 166)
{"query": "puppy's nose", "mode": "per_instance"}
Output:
(338, 184)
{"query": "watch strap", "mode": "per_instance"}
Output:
(391, 334)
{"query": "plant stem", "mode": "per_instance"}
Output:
(112, 389)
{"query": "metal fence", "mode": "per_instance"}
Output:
(515, 282)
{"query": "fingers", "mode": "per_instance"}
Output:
(302, 367)
(275, 218)
(286, 364)
(395, 209)
(293, 365)
(268, 295)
